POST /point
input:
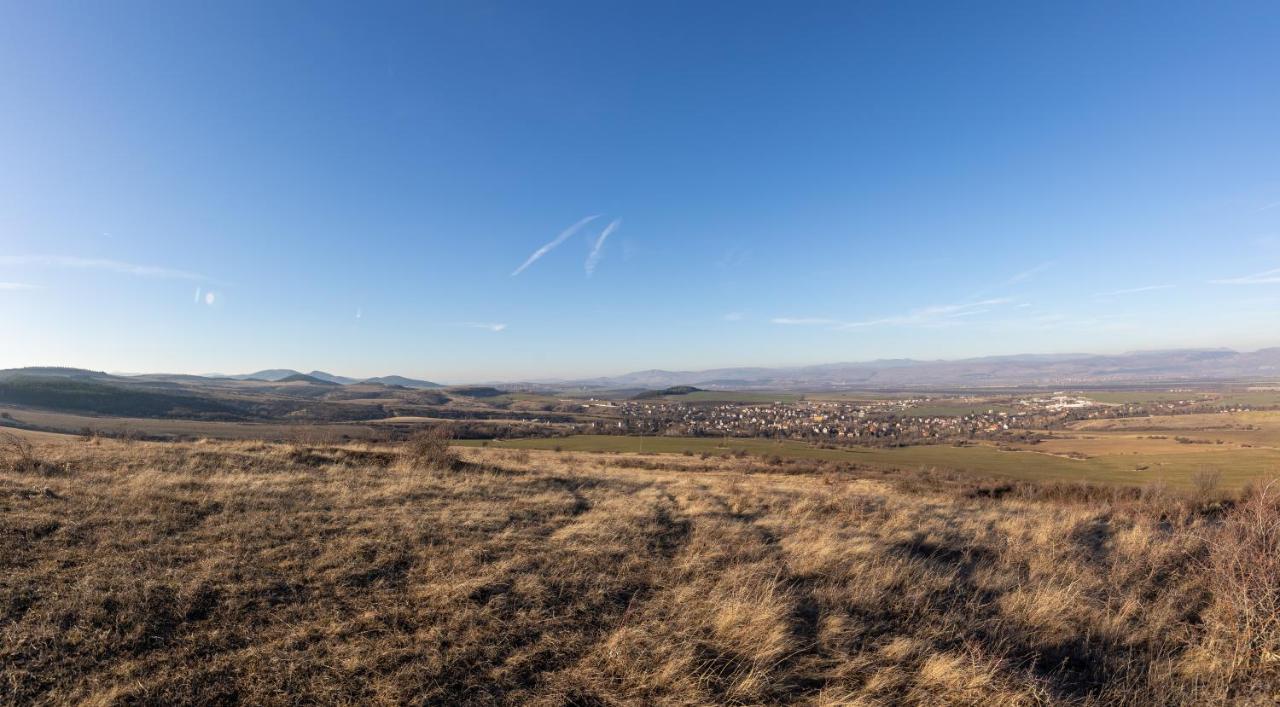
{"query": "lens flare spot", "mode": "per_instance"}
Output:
(210, 298)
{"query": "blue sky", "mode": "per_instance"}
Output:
(353, 187)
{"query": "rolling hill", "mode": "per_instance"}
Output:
(402, 381)
(306, 378)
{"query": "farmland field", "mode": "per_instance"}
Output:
(1143, 463)
(1144, 396)
(1260, 428)
(958, 408)
(1223, 397)
(730, 396)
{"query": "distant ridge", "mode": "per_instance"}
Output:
(1025, 370)
(276, 375)
(1139, 367)
(402, 381)
(304, 378)
(55, 372)
(673, 390)
(271, 374)
(332, 378)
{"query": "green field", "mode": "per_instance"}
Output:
(1253, 398)
(1120, 397)
(730, 396)
(1225, 398)
(1237, 465)
(944, 408)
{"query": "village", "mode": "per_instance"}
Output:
(886, 422)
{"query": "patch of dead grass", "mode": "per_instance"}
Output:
(263, 573)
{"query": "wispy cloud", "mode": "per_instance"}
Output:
(61, 261)
(937, 315)
(598, 249)
(564, 235)
(931, 315)
(1064, 322)
(1134, 290)
(735, 316)
(1270, 206)
(1267, 277)
(1028, 274)
(804, 321)
(490, 326)
(12, 286)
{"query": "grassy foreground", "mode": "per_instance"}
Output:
(244, 572)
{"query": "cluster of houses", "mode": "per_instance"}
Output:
(877, 423)
(887, 422)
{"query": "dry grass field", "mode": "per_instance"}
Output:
(72, 423)
(248, 572)
(1100, 457)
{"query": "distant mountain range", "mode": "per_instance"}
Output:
(1142, 367)
(277, 375)
(1031, 370)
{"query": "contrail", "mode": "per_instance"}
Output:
(57, 261)
(599, 246)
(1134, 290)
(559, 239)
(1270, 277)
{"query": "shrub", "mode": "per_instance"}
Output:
(430, 448)
(1206, 482)
(1244, 571)
(17, 454)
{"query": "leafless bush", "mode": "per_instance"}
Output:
(1244, 572)
(312, 436)
(430, 448)
(18, 455)
(129, 436)
(1206, 482)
